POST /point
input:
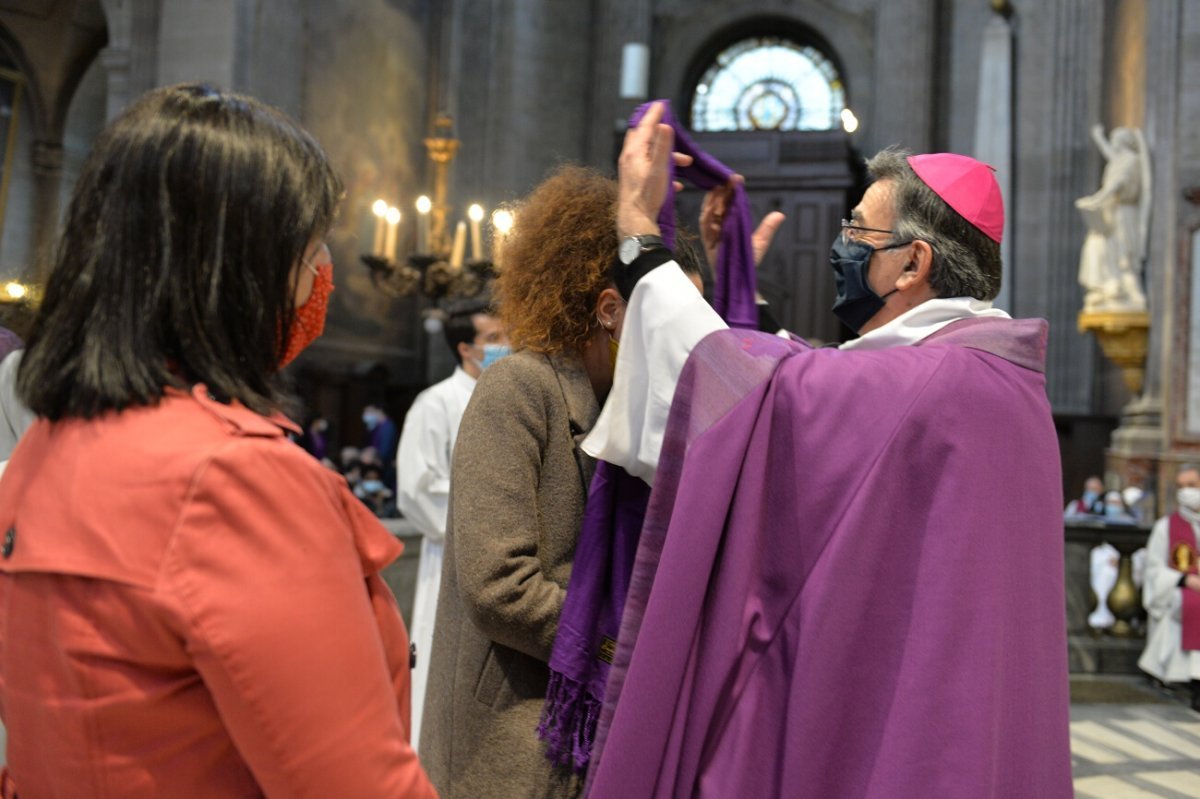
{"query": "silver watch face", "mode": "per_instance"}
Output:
(630, 248)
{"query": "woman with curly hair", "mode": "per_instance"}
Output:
(519, 481)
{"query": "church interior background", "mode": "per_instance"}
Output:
(792, 93)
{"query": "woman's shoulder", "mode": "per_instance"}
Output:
(523, 371)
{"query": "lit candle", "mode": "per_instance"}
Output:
(423, 207)
(460, 245)
(380, 209)
(502, 224)
(475, 212)
(502, 221)
(393, 224)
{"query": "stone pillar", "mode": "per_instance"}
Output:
(618, 22)
(520, 84)
(197, 41)
(47, 187)
(1172, 117)
(116, 63)
(905, 45)
(1059, 69)
(115, 58)
(1146, 92)
(993, 129)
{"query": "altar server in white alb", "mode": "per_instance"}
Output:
(1171, 591)
(423, 467)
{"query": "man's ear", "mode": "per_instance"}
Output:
(919, 266)
(609, 307)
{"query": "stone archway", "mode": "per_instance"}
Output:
(52, 44)
(802, 167)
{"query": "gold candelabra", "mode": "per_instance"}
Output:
(438, 265)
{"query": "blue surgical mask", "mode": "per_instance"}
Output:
(856, 301)
(1089, 497)
(370, 420)
(493, 353)
(372, 486)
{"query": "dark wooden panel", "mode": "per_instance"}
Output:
(807, 176)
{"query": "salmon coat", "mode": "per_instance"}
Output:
(191, 606)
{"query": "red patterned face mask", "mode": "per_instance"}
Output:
(309, 321)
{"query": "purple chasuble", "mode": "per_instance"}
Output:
(616, 505)
(861, 583)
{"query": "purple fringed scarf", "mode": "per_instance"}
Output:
(616, 505)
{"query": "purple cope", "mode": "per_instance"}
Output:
(861, 584)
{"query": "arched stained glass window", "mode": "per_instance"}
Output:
(768, 83)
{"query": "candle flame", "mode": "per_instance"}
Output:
(502, 221)
(15, 290)
(849, 121)
(393, 215)
(379, 208)
(475, 212)
(423, 204)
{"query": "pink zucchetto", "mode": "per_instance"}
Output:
(968, 186)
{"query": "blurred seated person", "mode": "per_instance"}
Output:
(1171, 592)
(374, 493)
(315, 439)
(353, 473)
(1115, 509)
(1091, 503)
(1136, 501)
(369, 456)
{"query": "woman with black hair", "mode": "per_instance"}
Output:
(190, 605)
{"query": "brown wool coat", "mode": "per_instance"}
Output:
(516, 503)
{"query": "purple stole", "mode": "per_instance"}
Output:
(1182, 550)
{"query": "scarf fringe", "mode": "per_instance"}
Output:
(568, 724)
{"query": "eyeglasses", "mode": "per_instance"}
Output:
(850, 230)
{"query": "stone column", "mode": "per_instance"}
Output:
(116, 63)
(905, 46)
(47, 186)
(1172, 117)
(993, 129)
(115, 58)
(617, 23)
(1138, 444)
(1059, 75)
(521, 77)
(197, 41)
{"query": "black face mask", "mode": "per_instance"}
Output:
(856, 302)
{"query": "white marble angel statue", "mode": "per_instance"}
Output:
(1117, 218)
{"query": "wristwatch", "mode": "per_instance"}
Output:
(633, 246)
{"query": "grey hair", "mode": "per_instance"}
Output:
(966, 262)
